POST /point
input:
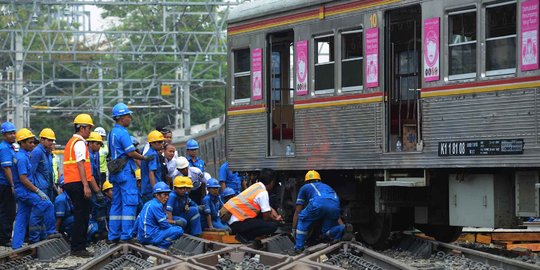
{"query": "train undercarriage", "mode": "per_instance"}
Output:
(381, 202)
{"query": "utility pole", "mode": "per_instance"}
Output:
(186, 81)
(18, 100)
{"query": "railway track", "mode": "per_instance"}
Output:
(271, 253)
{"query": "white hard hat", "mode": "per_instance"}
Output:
(182, 163)
(101, 131)
(207, 176)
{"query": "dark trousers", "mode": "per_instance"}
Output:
(81, 215)
(252, 228)
(196, 195)
(7, 214)
(102, 179)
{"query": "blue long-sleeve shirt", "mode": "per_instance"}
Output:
(152, 219)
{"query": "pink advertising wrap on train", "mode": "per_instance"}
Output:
(529, 35)
(256, 74)
(372, 57)
(431, 49)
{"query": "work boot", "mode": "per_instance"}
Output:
(242, 239)
(348, 234)
(129, 241)
(54, 236)
(83, 253)
(294, 252)
(112, 242)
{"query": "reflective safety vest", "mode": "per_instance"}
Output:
(71, 172)
(243, 206)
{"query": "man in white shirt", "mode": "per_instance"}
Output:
(197, 177)
(247, 208)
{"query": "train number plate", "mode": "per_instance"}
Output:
(481, 148)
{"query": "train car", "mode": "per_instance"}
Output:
(419, 113)
(211, 139)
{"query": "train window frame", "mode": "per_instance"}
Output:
(332, 61)
(469, 75)
(241, 74)
(504, 71)
(343, 59)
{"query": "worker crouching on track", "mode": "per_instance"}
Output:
(317, 201)
(212, 203)
(181, 210)
(99, 221)
(228, 194)
(153, 227)
(64, 210)
(151, 171)
(26, 194)
(243, 211)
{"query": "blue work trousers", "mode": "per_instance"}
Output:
(25, 202)
(36, 230)
(193, 220)
(164, 238)
(317, 209)
(124, 205)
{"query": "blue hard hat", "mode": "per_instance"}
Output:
(160, 188)
(228, 192)
(212, 183)
(8, 127)
(120, 109)
(192, 144)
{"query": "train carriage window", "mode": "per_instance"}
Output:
(351, 60)
(462, 44)
(501, 39)
(324, 64)
(242, 75)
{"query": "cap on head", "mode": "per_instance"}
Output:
(312, 175)
(182, 163)
(182, 181)
(24, 134)
(120, 109)
(228, 192)
(83, 119)
(212, 183)
(106, 185)
(192, 144)
(7, 127)
(161, 187)
(47, 133)
(101, 131)
(155, 136)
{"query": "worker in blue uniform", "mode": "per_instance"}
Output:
(229, 179)
(126, 198)
(41, 160)
(95, 142)
(212, 203)
(98, 226)
(317, 201)
(192, 147)
(181, 210)
(153, 227)
(63, 210)
(28, 195)
(7, 203)
(151, 172)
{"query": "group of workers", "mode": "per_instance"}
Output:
(152, 195)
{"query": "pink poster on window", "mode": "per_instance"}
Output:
(431, 49)
(372, 57)
(256, 74)
(301, 67)
(529, 35)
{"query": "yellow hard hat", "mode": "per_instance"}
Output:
(24, 134)
(94, 137)
(83, 119)
(138, 174)
(47, 133)
(155, 136)
(312, 175)
(106, 185)
(182, 181)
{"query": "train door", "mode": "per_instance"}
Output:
(280, 113)
(403, 47)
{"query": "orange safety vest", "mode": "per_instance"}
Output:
(243, 205)
(71, 172)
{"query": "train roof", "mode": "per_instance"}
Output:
(260, 8)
